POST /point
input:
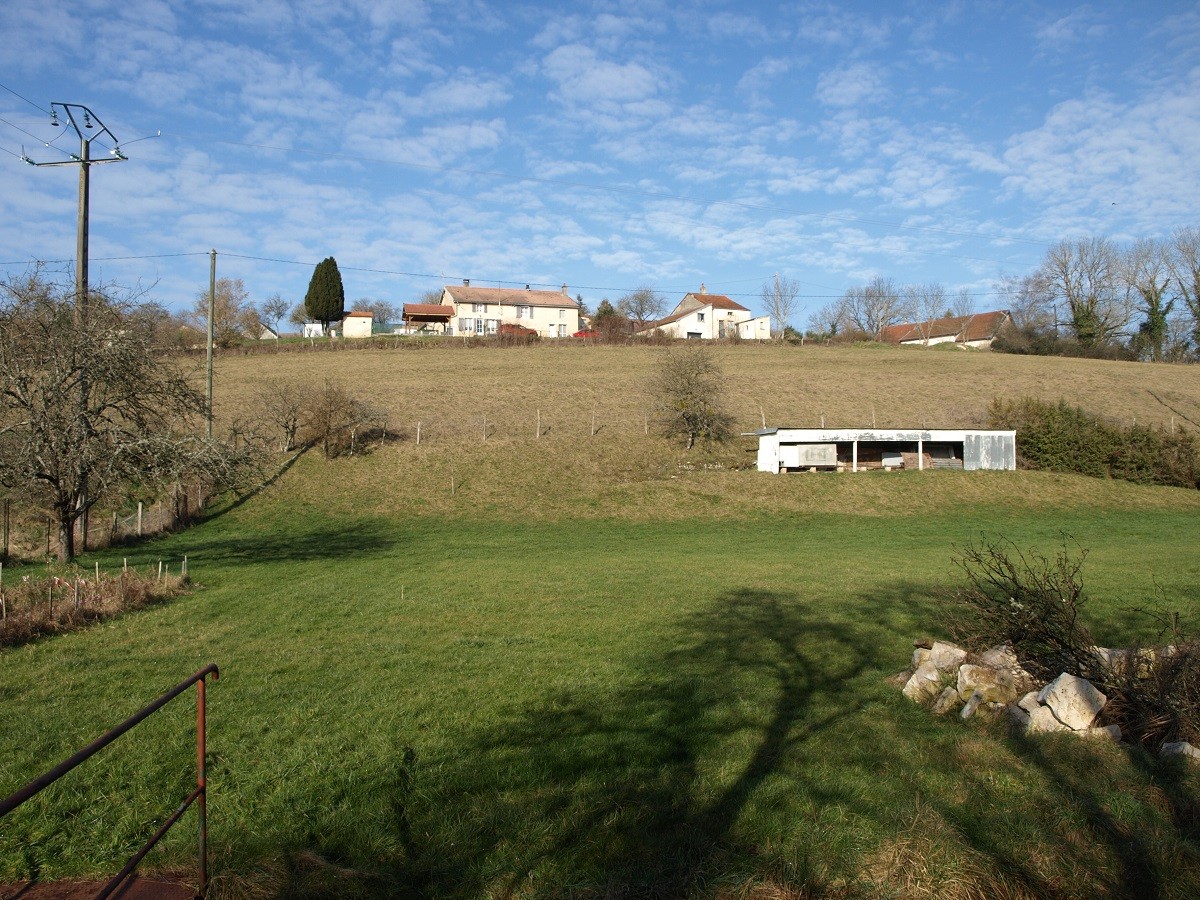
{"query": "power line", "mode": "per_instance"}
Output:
(26, 99)
(22, 262)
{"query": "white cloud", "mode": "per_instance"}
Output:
(1098, 150)
(1082, 25)
(583, 77)
(852, 85)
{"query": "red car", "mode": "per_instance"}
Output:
(517, 330)
(586, 334)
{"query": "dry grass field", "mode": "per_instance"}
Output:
(452, 388)
(620, 470)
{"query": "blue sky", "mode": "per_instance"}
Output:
(607, 145)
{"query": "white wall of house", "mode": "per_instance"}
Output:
(756, 329)
(357, 325)
(486, 318)
(708, 324)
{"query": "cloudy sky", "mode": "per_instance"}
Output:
(607, 145)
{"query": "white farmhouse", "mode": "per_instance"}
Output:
(481, 311)
(705, 316)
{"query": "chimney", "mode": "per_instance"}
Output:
(466, 282)
(703, 289)
(564, 290)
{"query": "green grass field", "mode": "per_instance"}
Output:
(602, 668)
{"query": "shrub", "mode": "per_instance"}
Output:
(1063, 438)
(1034, 603)
(688, 388)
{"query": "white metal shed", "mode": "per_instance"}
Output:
(848, 449)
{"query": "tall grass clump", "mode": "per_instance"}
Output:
(1060, 437)
(73, 598)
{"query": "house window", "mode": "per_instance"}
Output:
(480, 324)
(699, 317)
(493, 325)
(562, 313)
(479, 307)
(466, 326)
(524, 312)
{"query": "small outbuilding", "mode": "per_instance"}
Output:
(855, 450)
(358, 324)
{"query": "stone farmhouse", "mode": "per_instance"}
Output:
(481, 311)
(705, 316)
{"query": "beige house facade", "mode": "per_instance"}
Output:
(711, 317)
(357, 324)
(481, 311)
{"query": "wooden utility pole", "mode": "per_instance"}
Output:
(212, 307)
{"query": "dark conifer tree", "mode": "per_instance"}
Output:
(326, 298)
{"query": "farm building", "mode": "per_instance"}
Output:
(976, 330)
(357, 324)
(851, 450)
(481, 311)
(705, 316)
(427, 317)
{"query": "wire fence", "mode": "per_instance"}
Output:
(25, 534)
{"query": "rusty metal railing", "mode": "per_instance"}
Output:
(198, 796)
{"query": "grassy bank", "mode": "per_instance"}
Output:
(463, 696)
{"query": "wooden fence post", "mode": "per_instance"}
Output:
(139, 521)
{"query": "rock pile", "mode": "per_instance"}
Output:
(992, 684)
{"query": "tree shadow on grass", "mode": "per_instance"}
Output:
(341, 540)
(619, 790)
(759, 745)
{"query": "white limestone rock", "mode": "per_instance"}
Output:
(1179, 748)
(1074, 701)
(971, 705)
(920, 655)
(1018, 717)
(1106, 732)
(1001, 656)
(947, 701)
(995, 685)
(1029, 702)
(923, 685)
(947, 657)
(1042, 720)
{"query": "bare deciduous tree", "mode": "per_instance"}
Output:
(688, 387)
(926, 303)
(66, 447)
(282, 404)
(875, 306)
(1028, 301)
(830, 320)
(779, 299)
(1183, 259)
(273, 311)
(641, 307)
(335, 420)
(232, 312)
(1144, 270)
(1083, 275)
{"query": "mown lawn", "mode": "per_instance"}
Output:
(487, 695)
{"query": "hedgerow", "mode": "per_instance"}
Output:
(1064, 438)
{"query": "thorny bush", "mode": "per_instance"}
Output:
(1033, 603)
